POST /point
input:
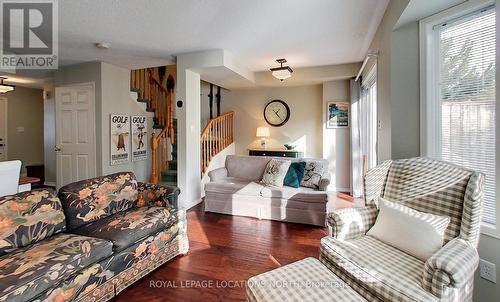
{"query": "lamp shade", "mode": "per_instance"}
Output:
(263, 132)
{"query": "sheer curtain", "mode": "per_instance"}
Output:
(356, 152)
(368, 119)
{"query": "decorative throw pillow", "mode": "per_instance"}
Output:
(416, 233)
(275, 172)
(313, 172)
(295, 174)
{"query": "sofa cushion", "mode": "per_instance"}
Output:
(93, 199)
(313, 173)
(28, 217)
(29, 271)
(246, 167)
(236, 186)
(385, 271)
(275, 172)
(295, 174)
(129, 227)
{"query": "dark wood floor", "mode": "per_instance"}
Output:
(224, 252)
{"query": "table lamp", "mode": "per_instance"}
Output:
(263, 132)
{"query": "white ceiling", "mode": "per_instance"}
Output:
(151, 33)
(418, 9)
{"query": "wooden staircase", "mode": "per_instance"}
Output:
(215, 137)
(160, 100)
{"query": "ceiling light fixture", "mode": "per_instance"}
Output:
(282, 72)
(103, 45)
(5, 87)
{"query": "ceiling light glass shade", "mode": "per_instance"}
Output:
(5, 88)
(282, 74)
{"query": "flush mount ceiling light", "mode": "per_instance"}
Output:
(282, 72)
(103, 45)
(5, 87)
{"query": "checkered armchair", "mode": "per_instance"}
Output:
(381, 272)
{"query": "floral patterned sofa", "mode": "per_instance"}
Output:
(90, 242)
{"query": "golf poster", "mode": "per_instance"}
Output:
(139, 138)
(120, 142)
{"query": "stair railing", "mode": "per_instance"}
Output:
(215, 137)
(160, 100)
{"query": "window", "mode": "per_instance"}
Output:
(368, 119)
(459, 96)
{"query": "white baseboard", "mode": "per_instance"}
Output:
(193, 203)
(343, 190)
(50, 183)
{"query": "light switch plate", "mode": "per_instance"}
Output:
(488, 271)
(20, 129)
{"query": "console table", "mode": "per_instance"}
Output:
(275, 152)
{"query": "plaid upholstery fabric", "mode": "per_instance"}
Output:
(380, 269)
(451, 266)
(301, 281)
(374, 182)
(369, 296)
(374, 268)
(473, 204)
(429, 186)
(352, 222)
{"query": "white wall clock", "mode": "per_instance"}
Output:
(277, 113)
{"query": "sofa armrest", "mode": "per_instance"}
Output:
(324, 182)
(450, 267)
(217, 174)
(157, 195)
(350, 223)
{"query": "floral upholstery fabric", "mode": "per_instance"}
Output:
(129, 227)
(28, 217)
(102, 280)
(30, 271)
(156, 195)
(93, 199)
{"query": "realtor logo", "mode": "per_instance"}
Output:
(29, 34)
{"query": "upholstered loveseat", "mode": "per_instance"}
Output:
(379, 271)
(90, 242)
(236, 189)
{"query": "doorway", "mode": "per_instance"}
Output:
(75, 133)
(3, 129)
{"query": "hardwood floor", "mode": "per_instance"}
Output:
(224, 252)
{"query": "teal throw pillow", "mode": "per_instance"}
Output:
(295, 174)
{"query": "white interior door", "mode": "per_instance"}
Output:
(75, 134)
(3, 129)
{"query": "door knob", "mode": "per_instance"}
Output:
(57, 149)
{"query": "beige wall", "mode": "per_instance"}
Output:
(49, 134)
(303, 128)
(337, 142)
(112, 96)
(382, 43)
(25, 109)
(205, 107)
(489, 246)
(405, 92)
(116, 99)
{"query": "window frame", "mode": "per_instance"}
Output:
(367, 84)
(430, 111)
